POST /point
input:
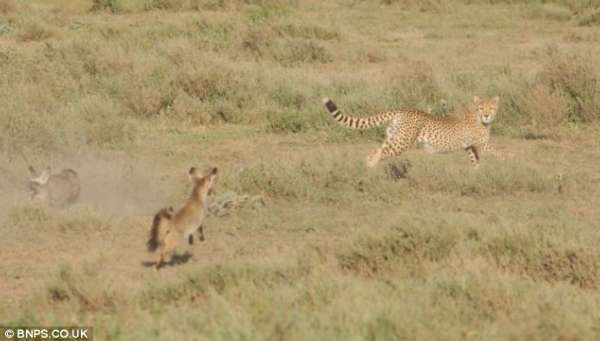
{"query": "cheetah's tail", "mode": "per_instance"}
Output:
(357, 122)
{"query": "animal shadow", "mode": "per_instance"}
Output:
(398, 170)
(177, 259)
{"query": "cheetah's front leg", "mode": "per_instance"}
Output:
(473, 156)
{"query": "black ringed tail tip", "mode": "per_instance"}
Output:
(331, 107)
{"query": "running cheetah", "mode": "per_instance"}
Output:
(470, 132)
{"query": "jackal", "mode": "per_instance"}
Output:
(169, 228)
(57, 190)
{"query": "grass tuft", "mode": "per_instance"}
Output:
(574, 78)
(546, 260)
(406, 246)
(113, 6)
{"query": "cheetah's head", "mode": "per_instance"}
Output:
(486, 108)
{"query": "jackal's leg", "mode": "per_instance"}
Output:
(201, 233)
(160, 261)
(166, 255)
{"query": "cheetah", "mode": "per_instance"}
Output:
(469, 131)
(169, 228)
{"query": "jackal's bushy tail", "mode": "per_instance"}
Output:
(160, 224)
(357, 122)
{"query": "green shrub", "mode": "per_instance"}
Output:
(299, 51)
(7, 6)
(310, 32)
(434, 6)
(590, 18)
(374, 252)
(573, 77)
(565, 90)
(415, 86)
(544, 107)
(335, 176)
(179, 5)
(103, 123)
(34, 31)
(460, 179)
(546, 260)
(83, 290)
(288, 122)
(550, 11)
(113, 6)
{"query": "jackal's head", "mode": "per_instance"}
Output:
(203, 180)
(38, 183)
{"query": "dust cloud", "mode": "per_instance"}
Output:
(113, 184)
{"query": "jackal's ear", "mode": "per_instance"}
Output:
(42, 179)
(475, 99)
(45, 175)
(192, 174)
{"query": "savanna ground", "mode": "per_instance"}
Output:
(131, 93)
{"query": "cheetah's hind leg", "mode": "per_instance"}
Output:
(396, 142)
(373, 158)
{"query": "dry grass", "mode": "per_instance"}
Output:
(131, 93)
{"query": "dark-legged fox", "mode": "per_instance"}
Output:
(169, 228)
